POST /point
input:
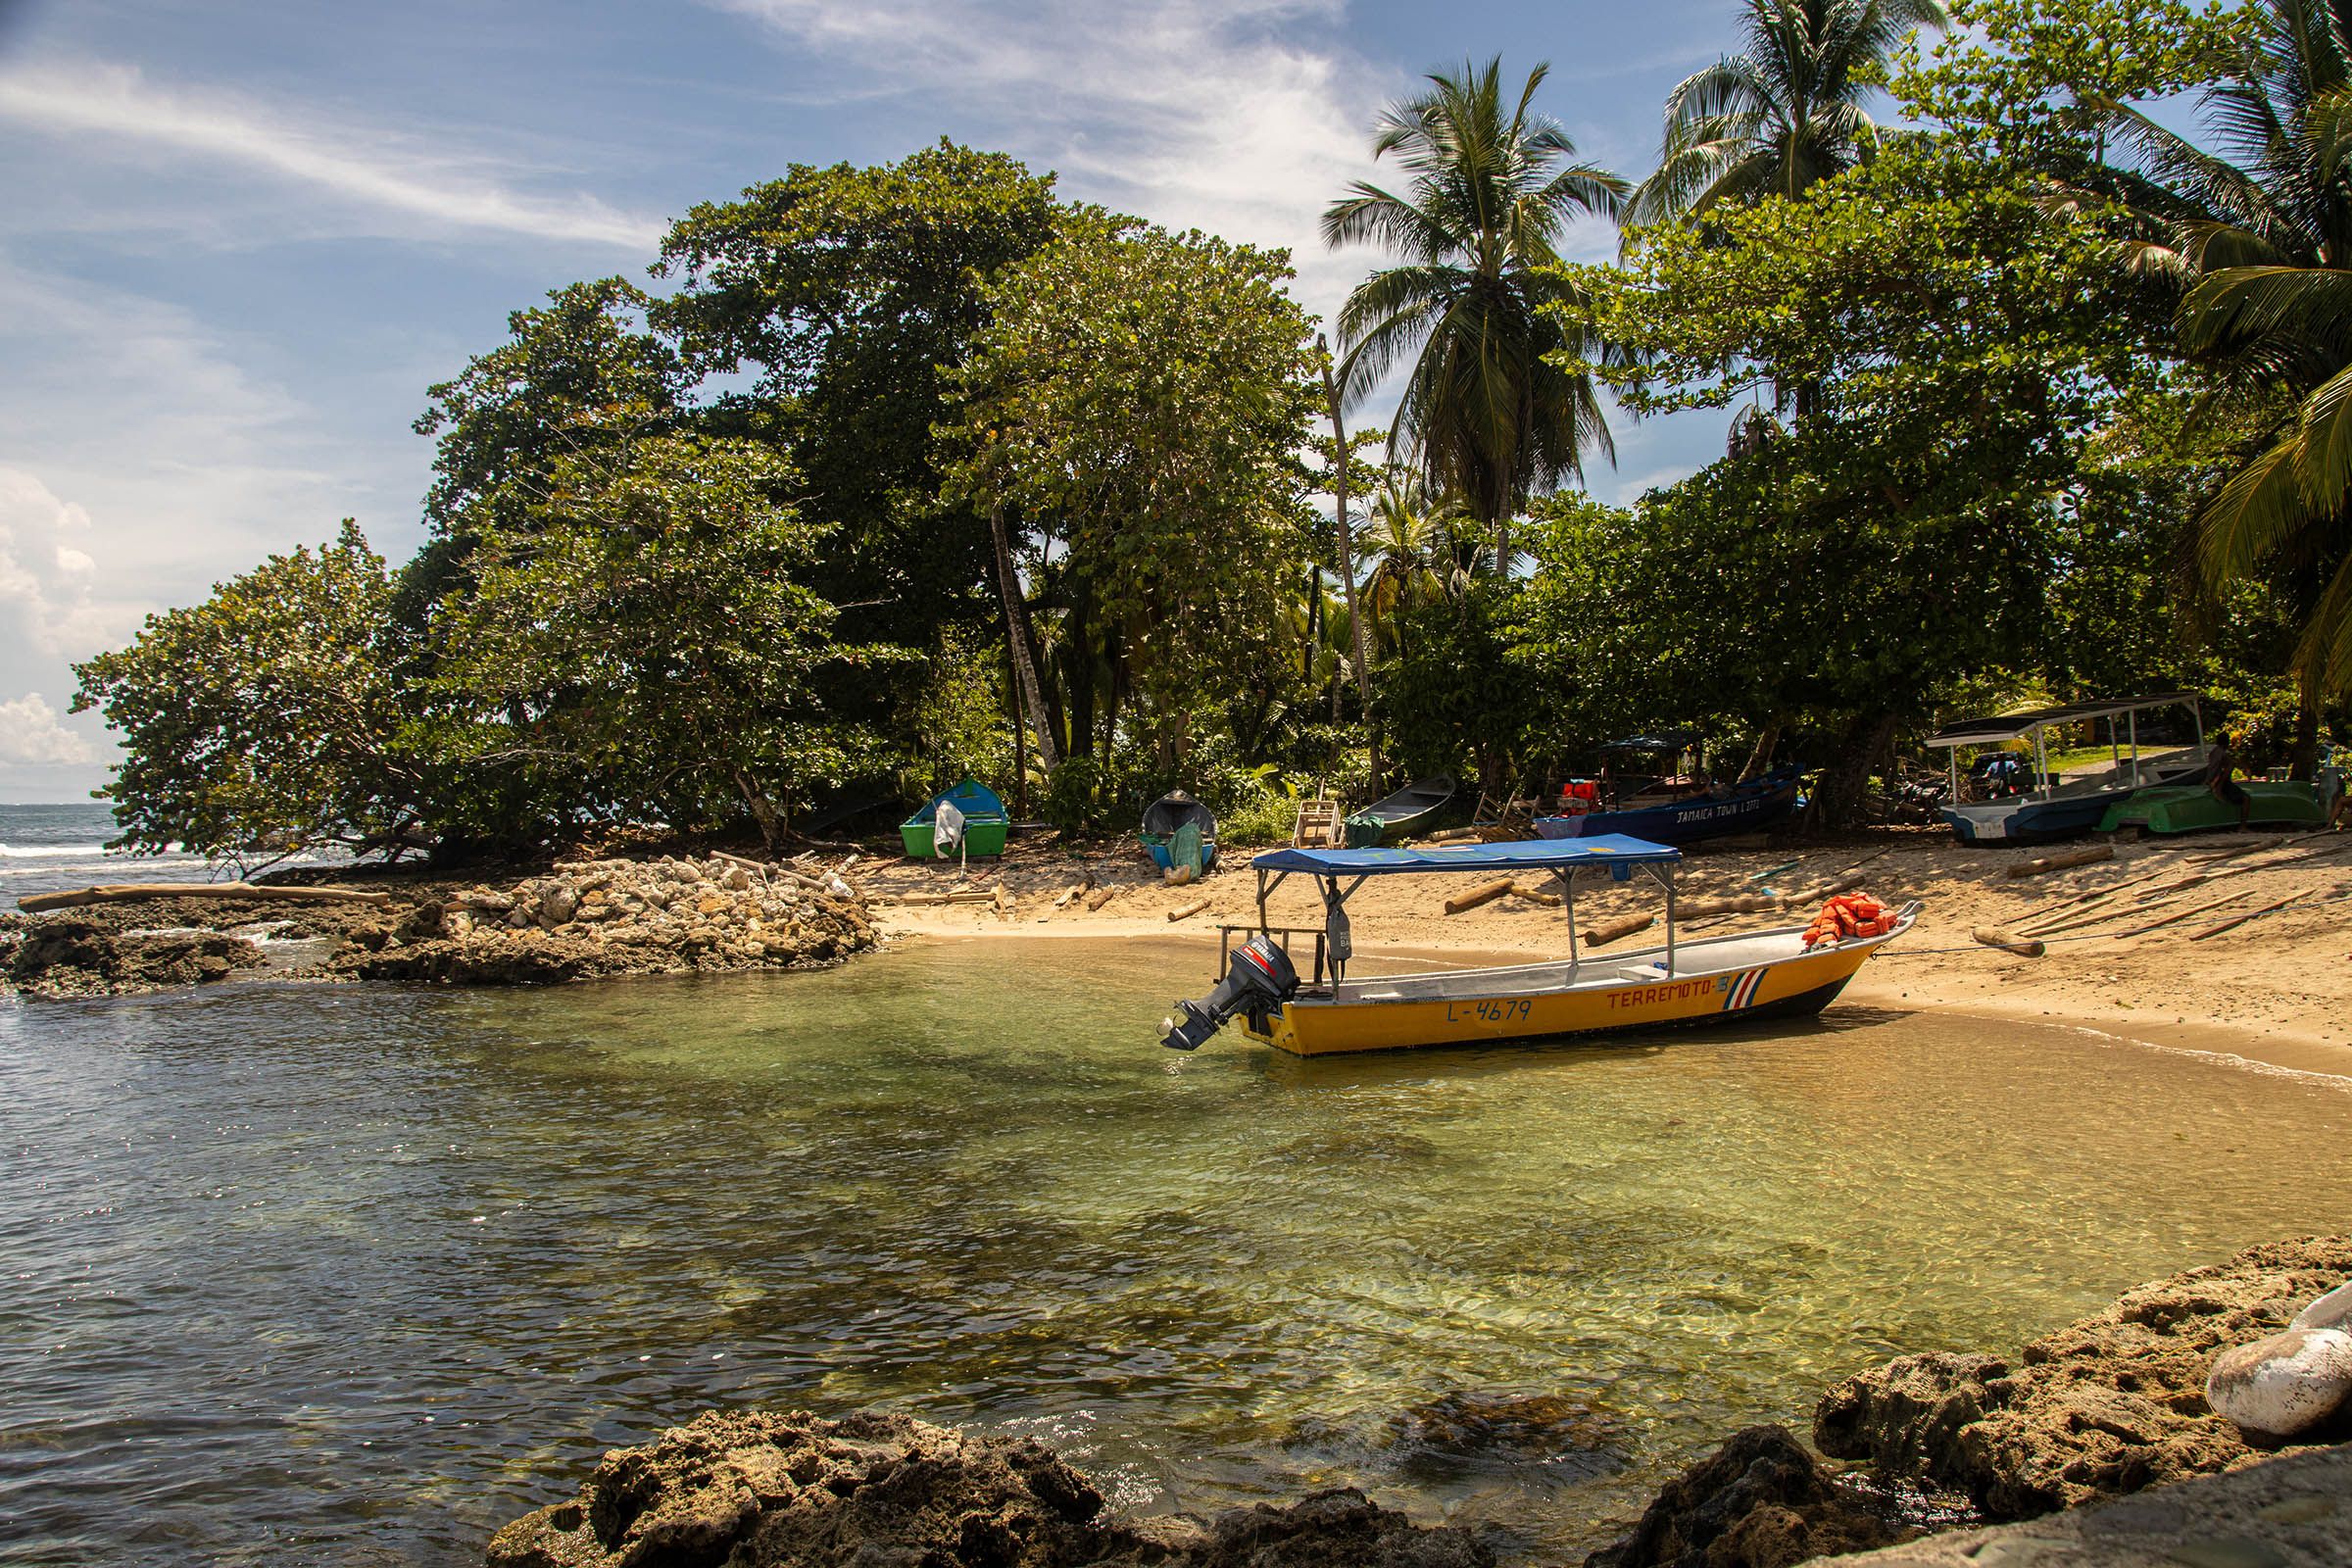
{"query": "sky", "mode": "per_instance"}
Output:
(239, 240)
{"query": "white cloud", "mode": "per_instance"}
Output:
(30, 735)
(45, 574)
(1209, 114)
(431, 187)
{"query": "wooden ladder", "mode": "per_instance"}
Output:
(1320, 825)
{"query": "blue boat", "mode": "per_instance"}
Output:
(1730, 808)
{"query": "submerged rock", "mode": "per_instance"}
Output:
(2110, 1404)
(766, 1490)
(1761, 1501)
(75, 957)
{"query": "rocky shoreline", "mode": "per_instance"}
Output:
(586, 919)
(2108, 1406)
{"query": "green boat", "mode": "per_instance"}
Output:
(984, 821)
(2192, 809)
(1409, 810)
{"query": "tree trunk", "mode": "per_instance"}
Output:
(1837, 798)
(2303, 757)
(1017, 629)
(763, 811)
(1761, 758)
(1338, 494)
(1080, 667)
(1020, 741)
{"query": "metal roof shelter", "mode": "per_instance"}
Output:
(2035, 724)
(2016, 726)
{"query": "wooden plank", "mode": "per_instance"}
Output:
(2191, 912)
(139, 891)
(2267, 908)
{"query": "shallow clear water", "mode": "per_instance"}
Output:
(353, 1276)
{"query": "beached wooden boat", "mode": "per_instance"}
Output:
(2051, 810)
(1730, 809)
(1727, 979)
(1165, 822)
(2193, 809)
(985, 823)
(1409, 811)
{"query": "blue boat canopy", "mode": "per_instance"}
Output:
(1533, 855)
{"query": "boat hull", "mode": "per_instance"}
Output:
(2027, 821)
(2192, 809)
(980, 839)
(1777, 987)
(1682, 822)
(1163, 855)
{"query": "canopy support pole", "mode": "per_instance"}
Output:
(1567, 876)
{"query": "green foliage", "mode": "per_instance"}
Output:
(264, 719)
(643, 636)
(2039, 82)
(1785, 113)
(1138, 402)
(954, 710)
(849, 293)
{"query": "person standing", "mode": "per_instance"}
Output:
(2221, 781)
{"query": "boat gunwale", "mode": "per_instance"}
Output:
(1905, 919)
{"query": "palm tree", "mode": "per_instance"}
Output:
(1785, 113)
(1486, 414)
(2268, 243)
(1411, 544)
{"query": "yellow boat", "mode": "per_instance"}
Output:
(1727, 979)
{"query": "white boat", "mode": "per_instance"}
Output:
(2055, 809)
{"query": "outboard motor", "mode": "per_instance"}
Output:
(1259, 979)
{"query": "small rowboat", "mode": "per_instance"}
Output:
(2193, 808)
(1403, 813)
(1163, 831)
(1738, 808)
(1728, 979)
(985, 823)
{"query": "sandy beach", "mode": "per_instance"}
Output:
(2276, 990)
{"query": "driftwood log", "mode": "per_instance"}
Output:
(1992, 936)
(1536, 895)
(2060, 862)
(1101, 896)
(1608, 931)
(135, 892)
(1185, 912)
(1471, 899)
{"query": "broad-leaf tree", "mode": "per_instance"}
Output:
(264, 719)
(647, 636)
(1135, 408)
